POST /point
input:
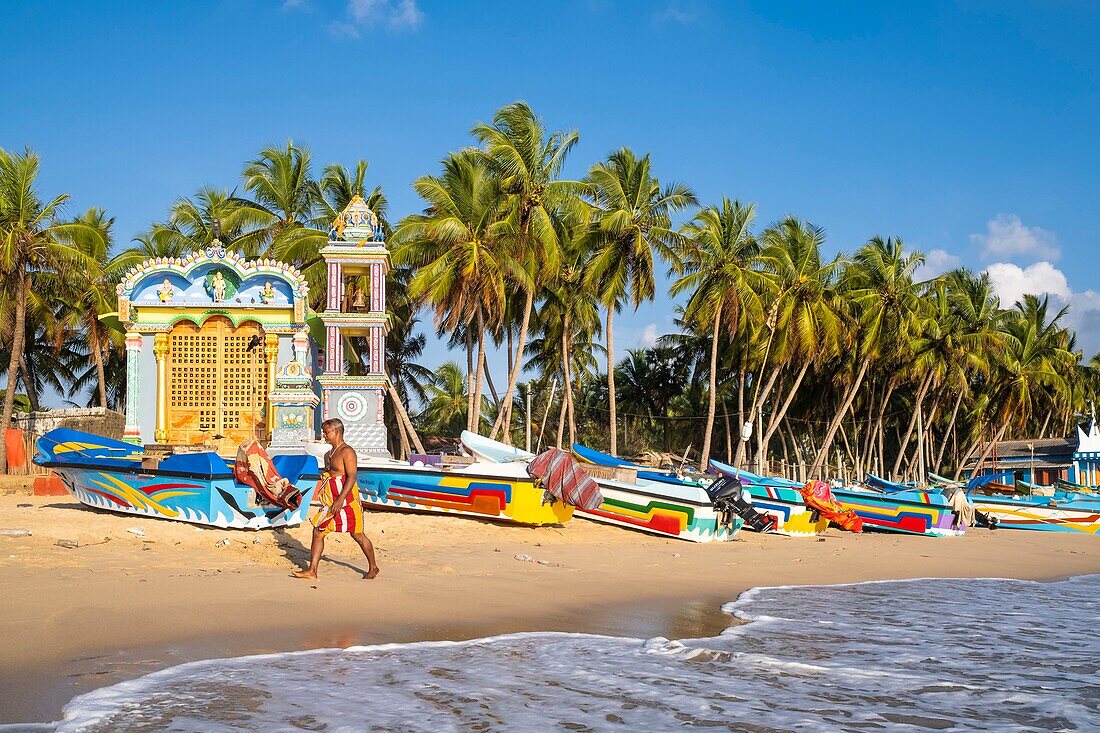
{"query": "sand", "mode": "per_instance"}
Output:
(123, 604)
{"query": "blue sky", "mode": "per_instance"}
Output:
(966, 128)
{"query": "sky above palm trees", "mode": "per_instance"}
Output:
(966, 128)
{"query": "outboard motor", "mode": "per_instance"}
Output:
(729, 498)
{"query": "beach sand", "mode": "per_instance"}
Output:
(123, 604)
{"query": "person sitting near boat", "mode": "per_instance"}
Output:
(341, 510)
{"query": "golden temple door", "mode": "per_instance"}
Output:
(217, 389)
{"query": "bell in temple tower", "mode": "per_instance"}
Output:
(356, 250)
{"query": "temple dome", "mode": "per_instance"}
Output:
(356, 223)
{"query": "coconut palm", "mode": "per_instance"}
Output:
(809, 313)
(527, 162)
(879, 286)
(33, 240)
(283, 195)
(453, 249)
(720, 265)
(632, 218)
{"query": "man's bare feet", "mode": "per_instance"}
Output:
(306, 574)
(372, 574)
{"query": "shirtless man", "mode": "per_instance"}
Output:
(340, 509)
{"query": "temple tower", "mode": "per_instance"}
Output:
(355, 315)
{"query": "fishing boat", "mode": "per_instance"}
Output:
(1068, 512)
(454, 485)
(780, 498)
(894, 507)
(683, 510)
(599, 458)
(196, 487)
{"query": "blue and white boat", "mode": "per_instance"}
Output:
(190, 487)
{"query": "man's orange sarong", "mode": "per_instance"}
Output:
(349, 518)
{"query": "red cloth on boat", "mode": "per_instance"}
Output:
(819, 496)
(559, 474)
(254, 468)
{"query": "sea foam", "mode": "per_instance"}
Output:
(903, 655)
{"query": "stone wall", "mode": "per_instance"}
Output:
(95, 420)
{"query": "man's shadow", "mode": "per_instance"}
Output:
(298, 554)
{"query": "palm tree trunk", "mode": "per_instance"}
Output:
(704, 459)
(18, 337)
(989, 447)
(773, 423)
(504, 417)
(912, 419)
(561, 419)
(568, 376)
(97, 348)
(950, 428)
(30, 383)
(469, 378)
(611, 380)
(1046, 424)
(823, 453)
(480, 372)
(879, 427)
(403, 416)
(729, 433)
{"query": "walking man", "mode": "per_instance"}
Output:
(340, 509)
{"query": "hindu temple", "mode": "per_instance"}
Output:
(222, 350)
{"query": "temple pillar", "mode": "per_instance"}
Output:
(160, 351)
(271, 352)
(132, 432)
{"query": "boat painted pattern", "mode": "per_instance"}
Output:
(187, 487)
(793, 517)
(1082, 517)
(682, 510)
(908, 512)
(650, 507)
(512, 499)
(219, 503)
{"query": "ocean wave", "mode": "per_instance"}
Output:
(910, 655)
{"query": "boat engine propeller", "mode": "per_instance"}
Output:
(729, 498)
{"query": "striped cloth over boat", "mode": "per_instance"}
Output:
(556, 472)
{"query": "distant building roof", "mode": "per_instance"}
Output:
(1050, 453)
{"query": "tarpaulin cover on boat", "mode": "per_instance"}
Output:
(559, 474)
(819, 496)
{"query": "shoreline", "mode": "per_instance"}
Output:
(123, 605)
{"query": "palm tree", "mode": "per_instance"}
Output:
(879, 286)
(809, 314)
(283, 195)
(719, 259)
(459, 267)
(632, 218)
(32, 241)
(526, 162)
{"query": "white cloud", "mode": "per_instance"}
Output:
(1012, 282)
(394, 15)
(1006, 237)
(936, 262)
(649, 335)
(678, 11)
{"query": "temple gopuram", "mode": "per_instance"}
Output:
(222, 350)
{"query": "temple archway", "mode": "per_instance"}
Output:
(216, 386)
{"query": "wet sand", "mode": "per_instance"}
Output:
(123, 604)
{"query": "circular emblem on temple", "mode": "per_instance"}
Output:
(351, 407)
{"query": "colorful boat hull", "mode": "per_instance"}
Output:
(508, 496)
(1044, 515)
(793, 518)
(198, 488)
(659, 508)
(907, 512)
(682, 510)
